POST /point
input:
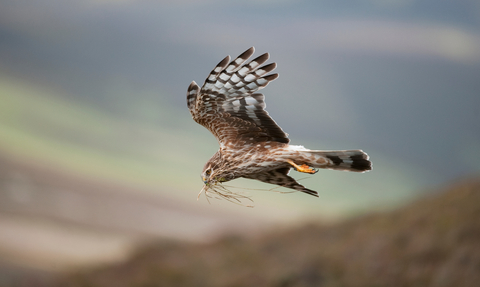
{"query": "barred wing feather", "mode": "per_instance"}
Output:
(228, 105)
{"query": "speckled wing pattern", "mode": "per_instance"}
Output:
(280, 177)
(228, 105)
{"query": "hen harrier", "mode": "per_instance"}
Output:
(252, 145)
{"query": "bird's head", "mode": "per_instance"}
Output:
(213, 174)
(207, 172)
(210, 175)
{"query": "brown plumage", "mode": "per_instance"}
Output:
(252, 145)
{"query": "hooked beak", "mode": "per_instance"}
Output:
(204, 180)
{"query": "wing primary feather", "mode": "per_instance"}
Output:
(236, 64)
(212, 77)
(265, 69)
(192, 93)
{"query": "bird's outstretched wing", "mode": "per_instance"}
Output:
(280, 177)
(228, 105)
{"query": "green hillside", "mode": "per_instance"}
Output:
(432, 242)
(38, 123)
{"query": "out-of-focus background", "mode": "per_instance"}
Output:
(99, 155)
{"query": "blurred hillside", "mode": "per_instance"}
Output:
(432, 242)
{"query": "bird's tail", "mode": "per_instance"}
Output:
(347, 160)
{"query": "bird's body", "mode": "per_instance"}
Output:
(252, 145)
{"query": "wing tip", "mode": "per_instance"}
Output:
(223, 63)
(311, 192)
(193, 86)
(247, 54)
(271, 77)
(268, 68)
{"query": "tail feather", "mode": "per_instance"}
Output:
(347, 160)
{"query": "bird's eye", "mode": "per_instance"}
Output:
(208, 172)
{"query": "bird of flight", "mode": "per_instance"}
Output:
(252, 145)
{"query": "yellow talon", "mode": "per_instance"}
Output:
(302, 168)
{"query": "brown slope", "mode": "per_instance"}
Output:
(433, 242)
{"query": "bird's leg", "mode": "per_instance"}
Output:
(302, 168)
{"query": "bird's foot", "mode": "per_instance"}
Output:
(303, 168)
(306, 169)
